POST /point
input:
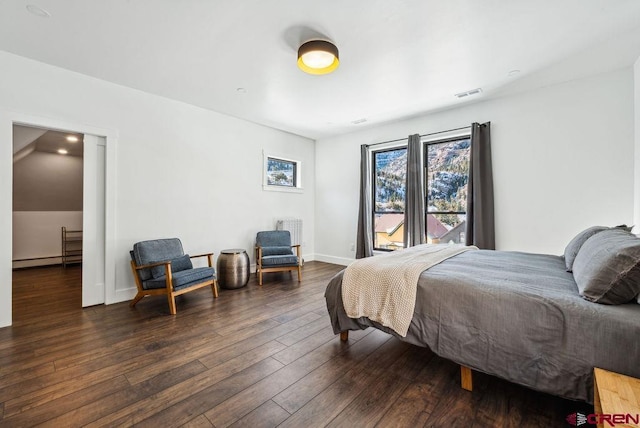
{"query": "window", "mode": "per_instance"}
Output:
(447, 175)
(389, 182)
(281, 174)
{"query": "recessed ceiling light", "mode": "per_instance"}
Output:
(513, 73)
(72, 138)
(241, 90)
(38, 11)
(62, 151)
(359, 121)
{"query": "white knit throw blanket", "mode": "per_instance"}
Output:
(383, 288)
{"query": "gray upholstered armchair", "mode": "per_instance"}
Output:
(274, 253)
(160, 266)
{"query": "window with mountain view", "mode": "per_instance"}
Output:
(390, 173)
(281, 172)
(446, 177)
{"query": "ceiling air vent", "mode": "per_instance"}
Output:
(469, 93)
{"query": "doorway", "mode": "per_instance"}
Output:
(103, 276)
(47, 217)
(59, 208)
(47, 197)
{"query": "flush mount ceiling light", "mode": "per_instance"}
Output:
(62, 151)
(72, 138)
(318, 57)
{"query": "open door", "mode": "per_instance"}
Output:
(93, 221)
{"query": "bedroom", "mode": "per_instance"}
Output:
(586, 96)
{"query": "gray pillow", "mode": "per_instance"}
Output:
(177, 265)
(573, 247)
(607, 267)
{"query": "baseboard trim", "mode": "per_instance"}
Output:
(123, 295)
(333, 260)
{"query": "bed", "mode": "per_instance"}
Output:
(524, 317)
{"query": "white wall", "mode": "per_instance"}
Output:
(47, 194)
(47, 182)
(180, 170)
(37, 234)
(562, 159)
(636, 114)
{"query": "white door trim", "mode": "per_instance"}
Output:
(93, 244)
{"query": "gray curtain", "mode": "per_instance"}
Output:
(364, 240)
(480, 223)
(414, 215)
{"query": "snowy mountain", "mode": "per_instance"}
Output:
(446, 176)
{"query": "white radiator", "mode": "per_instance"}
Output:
(294, 226)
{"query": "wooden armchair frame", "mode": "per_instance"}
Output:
(168, 290)
(260, 269)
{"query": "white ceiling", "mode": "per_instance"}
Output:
(398, 58)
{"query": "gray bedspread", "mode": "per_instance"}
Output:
(517, 316)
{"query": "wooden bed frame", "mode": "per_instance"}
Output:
(466, 377)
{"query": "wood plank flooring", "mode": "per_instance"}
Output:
(254, 357)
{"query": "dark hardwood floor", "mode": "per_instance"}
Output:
(256, 357)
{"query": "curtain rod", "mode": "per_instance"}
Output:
(422, 135)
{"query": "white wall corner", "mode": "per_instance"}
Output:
(308, 257)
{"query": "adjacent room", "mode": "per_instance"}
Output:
(206, 207)
(47, 216)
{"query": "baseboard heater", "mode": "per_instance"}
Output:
(33, 262)
(294, 226)
(37, 258)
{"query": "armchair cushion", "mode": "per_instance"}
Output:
(182, 279)
(177, 265)
(276, 251)
(282, 260)
(273, 238)
(154, 251)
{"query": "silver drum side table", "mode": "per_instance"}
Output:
(233, 268)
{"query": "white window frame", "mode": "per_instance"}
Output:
(275, 188)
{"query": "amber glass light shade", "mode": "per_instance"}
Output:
(318, 57)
